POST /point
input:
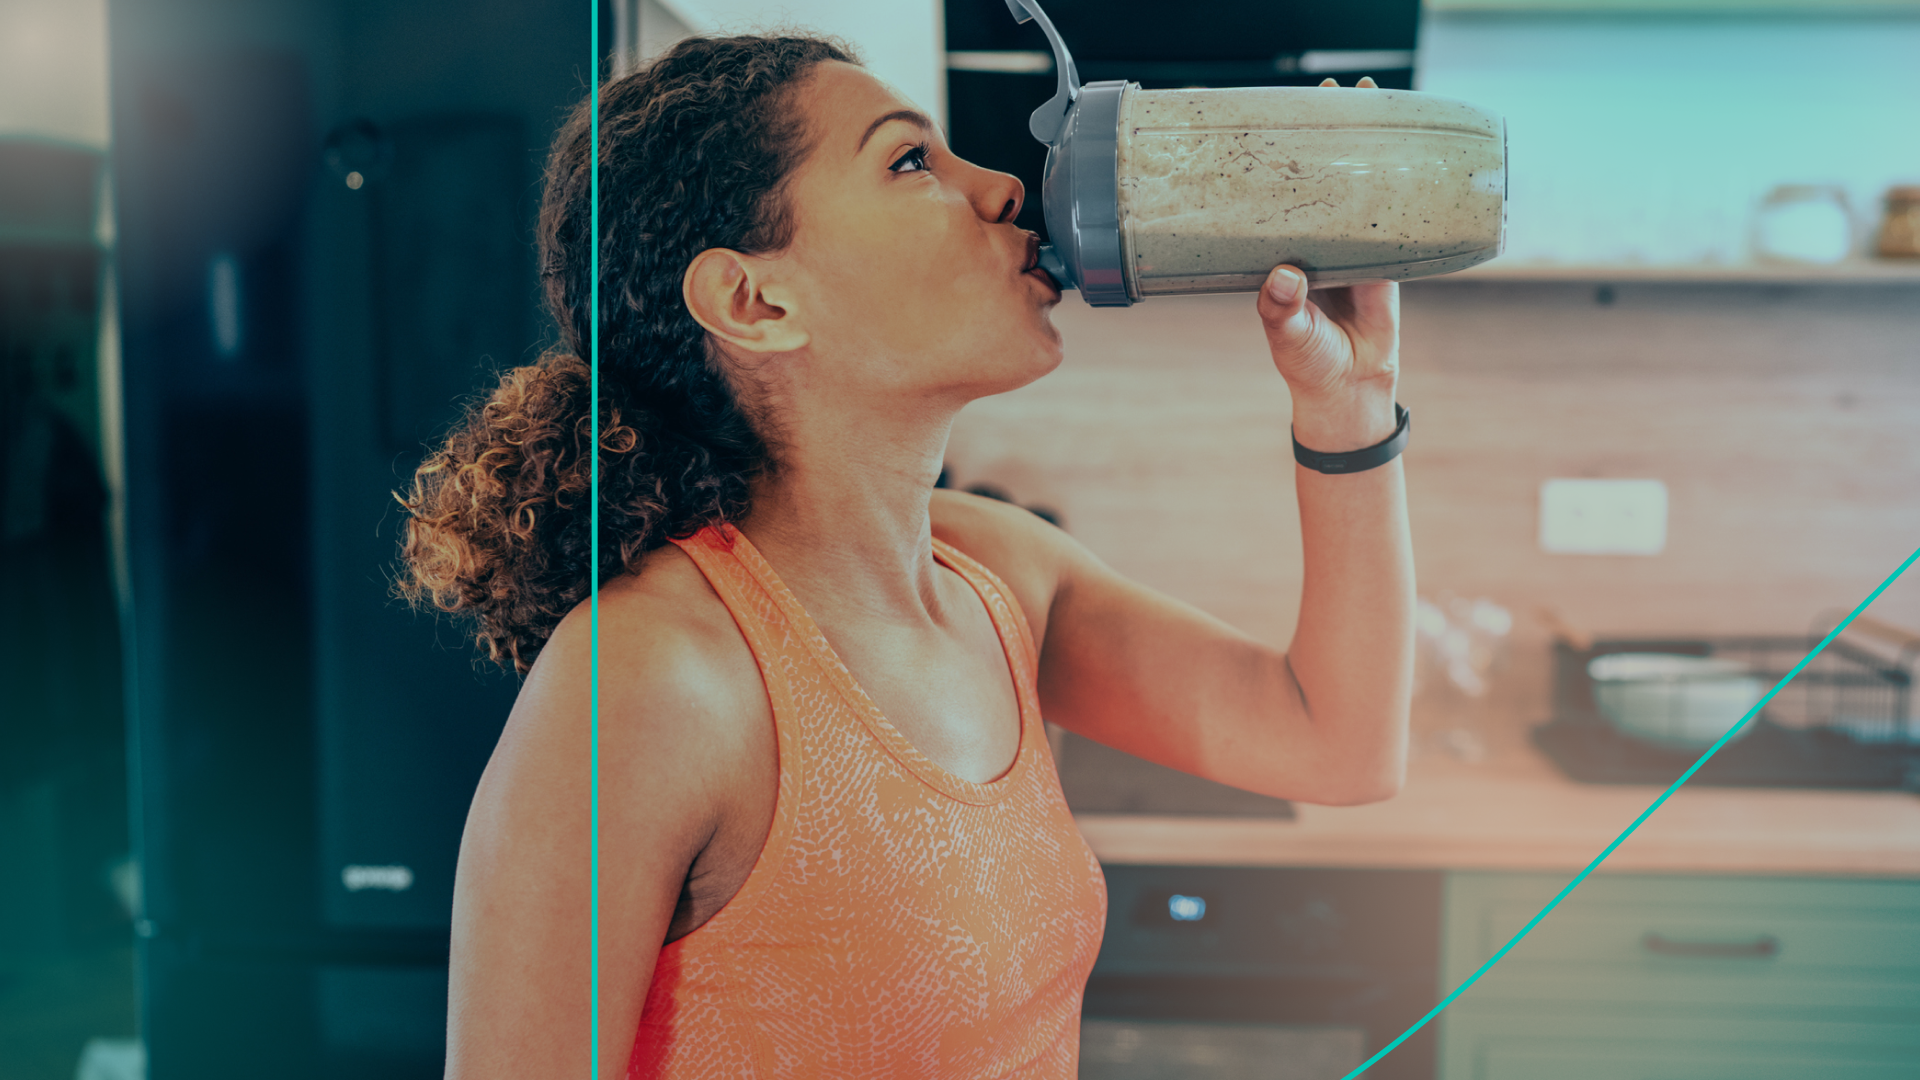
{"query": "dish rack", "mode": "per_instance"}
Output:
(1845, 721)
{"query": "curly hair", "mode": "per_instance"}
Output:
(695, 152)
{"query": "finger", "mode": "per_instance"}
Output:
(1366, 83)
(1328, 81)
(1374, 307)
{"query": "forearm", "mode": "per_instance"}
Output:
(1352, 651)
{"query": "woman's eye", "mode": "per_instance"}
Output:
(914, 160)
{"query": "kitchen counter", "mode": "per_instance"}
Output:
(1514, 811)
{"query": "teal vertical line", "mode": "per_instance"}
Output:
(1644, 815)
(593, 542)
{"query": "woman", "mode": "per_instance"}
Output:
(832, 842)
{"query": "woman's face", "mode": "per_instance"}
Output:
(909, 272)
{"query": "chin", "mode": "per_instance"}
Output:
(1041, 357)
(1027, 346)
(1001, 366)
(1051, 346)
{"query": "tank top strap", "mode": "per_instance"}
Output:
(757, 612)
(1009, 618)
(770, 638)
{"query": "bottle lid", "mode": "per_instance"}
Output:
(1079, 190)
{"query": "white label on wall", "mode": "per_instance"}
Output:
(1603, 517)
(390, 878)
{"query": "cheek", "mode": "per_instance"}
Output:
(926, 244)
(878, 256)
(914, 266)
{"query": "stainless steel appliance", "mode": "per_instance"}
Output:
(1232, 973)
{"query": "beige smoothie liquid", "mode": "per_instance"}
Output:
(1216, 187)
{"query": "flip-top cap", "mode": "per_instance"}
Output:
(1079, 191)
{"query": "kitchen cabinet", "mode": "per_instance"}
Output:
(1676, 977)
(1676, 1050)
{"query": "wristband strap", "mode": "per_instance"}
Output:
(1355, 461)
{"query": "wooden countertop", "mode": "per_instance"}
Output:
(1515, 811)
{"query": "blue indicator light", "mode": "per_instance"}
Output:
(1186, 908)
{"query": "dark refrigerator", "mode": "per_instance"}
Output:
(324, 217)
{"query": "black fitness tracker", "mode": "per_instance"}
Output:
(1355, 461)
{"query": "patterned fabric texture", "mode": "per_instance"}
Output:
(900, 921)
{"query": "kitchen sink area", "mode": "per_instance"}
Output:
(1843, 721)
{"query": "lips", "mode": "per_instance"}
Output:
(1031, 267)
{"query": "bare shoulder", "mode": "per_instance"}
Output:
(1028, 553)
(675, 677)
(681, 707)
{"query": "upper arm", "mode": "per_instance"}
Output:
(1135, 669)
(1140, 671)
(519, 1005)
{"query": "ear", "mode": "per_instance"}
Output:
(736, 299)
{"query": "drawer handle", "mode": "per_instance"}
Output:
(1759, 948)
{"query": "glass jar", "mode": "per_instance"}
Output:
(1900, 232)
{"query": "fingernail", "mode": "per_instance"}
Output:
(1283, 286)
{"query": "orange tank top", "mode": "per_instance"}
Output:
(900, 921)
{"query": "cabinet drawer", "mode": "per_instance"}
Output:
(1727, 942)
(1518, 1043)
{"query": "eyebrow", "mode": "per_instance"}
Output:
(917, 119)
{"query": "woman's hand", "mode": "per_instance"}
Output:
(1339, 353)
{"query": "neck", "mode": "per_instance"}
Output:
(843, 518)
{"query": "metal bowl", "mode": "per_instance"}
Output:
(1682, 701)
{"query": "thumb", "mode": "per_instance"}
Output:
(1283, 308)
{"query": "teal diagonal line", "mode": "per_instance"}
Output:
(1637, 822)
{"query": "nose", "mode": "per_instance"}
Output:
(996, 196)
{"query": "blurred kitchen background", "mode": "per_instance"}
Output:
(251, 251)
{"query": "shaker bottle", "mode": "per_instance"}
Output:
(1164, 192)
